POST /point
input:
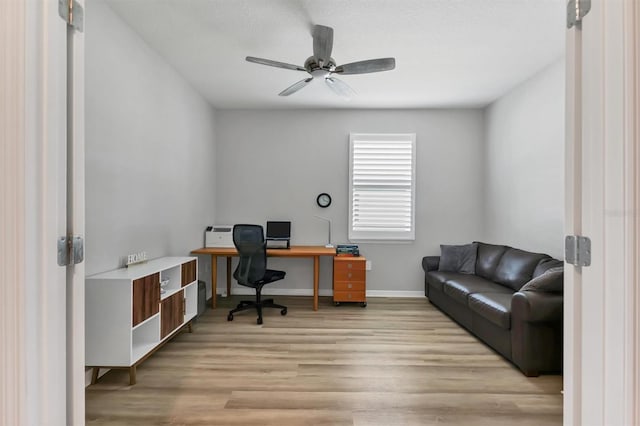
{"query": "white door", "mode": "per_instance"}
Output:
(53, 326)
(75, 220)
(45, 168)
(603, 164)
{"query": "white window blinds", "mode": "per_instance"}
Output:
(382, 186)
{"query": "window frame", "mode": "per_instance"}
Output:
(386, 236)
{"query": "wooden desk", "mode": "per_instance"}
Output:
(295, 251)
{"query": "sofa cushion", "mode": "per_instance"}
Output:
(494, 307)
(458, 258)
(436, 278)
(461, 287)
(516, 267)
(545, 265)
(552, 281)
(487, 260)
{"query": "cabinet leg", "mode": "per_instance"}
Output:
(132, 375)
(94, 375)
(190, 328)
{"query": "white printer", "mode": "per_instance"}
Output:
(219, 236)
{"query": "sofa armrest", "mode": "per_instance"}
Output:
(537, 306)
(536, 332)
(430, 263)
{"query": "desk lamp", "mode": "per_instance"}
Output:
(328, 245)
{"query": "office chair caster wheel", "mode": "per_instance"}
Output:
(230, 317)
(363, 304)
(283, 312)
(259, 321)
(336, 303)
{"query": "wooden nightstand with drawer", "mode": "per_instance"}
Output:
(349, 280)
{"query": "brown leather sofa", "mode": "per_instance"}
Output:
(523, 326)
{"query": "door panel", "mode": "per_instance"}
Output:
(602, 165)
(75, 221)
(171, 313)
(146, 298)
(47, 357)
(53, 322)
(188, 272)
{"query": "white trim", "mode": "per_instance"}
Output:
(13, 390)
(633, 355)
(44, 317)
(572, 359)
(245, 291)
(631, 155)
(75, 326)
(396, 294)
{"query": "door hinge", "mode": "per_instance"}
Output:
(577, 250)
(576, 10)
(72, 13)
(70, 250)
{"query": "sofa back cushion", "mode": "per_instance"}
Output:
(545, 265)
(516, 267)
(487, 260)
(552, 281)
(460, 259)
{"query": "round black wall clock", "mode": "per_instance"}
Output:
(324, 200)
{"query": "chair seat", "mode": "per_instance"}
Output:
(270, 275)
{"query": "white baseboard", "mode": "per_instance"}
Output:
(245, 291)
(395, 293)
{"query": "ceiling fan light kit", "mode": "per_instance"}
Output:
(322, 66)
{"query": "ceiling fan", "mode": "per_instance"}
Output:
(322, 66)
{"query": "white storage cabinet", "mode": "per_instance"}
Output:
(131, 312)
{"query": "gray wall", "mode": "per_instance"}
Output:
(150, 149)
(161, 165)
(524, 162)
(272, 165)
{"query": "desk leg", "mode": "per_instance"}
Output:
(214, 279)
(228, 276)
(316, 280)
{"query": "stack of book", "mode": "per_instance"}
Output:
(347, 250)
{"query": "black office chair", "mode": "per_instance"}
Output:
(252, 269)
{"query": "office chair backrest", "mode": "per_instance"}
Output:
(250, 243)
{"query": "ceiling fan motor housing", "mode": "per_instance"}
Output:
(312, 64)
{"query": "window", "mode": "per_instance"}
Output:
(382, 186)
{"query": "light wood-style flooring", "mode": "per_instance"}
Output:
(395, 362)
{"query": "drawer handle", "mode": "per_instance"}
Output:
(349, 285)
(349, 275)
(349, 265)
(349, 296)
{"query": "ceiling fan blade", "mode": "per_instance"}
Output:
(295, 87)
(322, 43)
(364, 67)
(274, 63)
(341, 88)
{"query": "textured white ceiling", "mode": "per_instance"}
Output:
(449, 53)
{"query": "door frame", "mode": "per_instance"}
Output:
(602, 301)
(75, 277)
(41, 366)
(13, 392)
